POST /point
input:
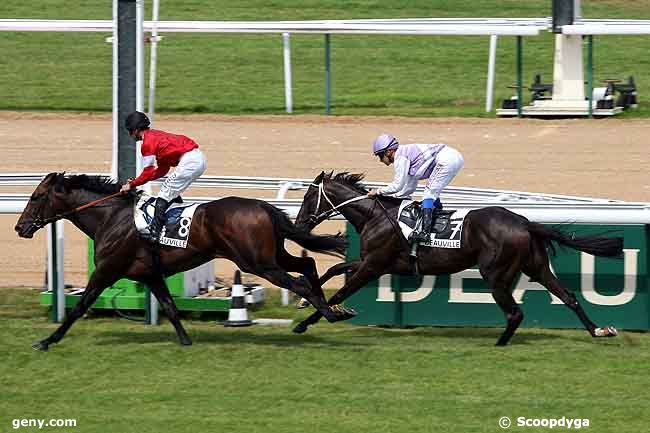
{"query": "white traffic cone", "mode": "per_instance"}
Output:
(237, 315)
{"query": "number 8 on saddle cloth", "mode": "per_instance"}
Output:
(178, 220)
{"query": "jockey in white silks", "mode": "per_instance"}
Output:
(438, 163)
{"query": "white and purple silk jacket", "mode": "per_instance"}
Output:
(413, 162)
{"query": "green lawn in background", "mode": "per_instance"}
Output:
(377, 75)
(114, 375)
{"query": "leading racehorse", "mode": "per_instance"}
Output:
(500, 242)
(249, 232)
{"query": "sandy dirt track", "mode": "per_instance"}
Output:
(604, 158)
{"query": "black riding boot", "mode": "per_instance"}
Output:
(425, 231)
(158, 221)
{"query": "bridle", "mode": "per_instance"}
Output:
(318, 218)
(42, 222)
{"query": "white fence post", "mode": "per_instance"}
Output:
(285, 296)
(489, 91)
(139, 55)
(288, 98)
(114, 41)
(60, 242)
(55, 278)
(153, 59)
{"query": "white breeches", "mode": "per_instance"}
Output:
(448, 163)
(190, 167)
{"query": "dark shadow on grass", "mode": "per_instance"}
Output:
(343, 337)
(240, 336)
(526, 336)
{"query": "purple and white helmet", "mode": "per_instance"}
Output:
(383, 143)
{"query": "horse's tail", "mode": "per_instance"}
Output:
(334, 245)
(596, 245)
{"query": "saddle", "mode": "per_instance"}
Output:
(172, 214)
(178, 220)
(446, 228)
(411, 216)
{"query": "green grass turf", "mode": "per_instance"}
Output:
(113, 375)
(379, 75)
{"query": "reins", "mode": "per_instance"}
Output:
(316, 219)
(388, 216)
(43, 222)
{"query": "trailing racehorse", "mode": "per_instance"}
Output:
(249, 232)
(500, 242)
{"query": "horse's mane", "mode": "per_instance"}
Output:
(98, 184)
(350, 179)
(353, 180)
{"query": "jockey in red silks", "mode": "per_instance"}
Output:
(161, 151)
(438, 163)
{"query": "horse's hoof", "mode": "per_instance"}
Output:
(300, 328)
(608, 331)
(342, 313)
(41, 346)
(302, 303)
(187, 342)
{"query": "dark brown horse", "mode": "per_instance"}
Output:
(500, 242)
(251, 233)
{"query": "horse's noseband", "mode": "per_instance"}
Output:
(318, 218)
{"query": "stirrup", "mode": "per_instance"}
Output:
(151, 237)
(421, 237)
(414, 249)
(148, 237)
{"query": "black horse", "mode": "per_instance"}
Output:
(502, 243)
(251, 233)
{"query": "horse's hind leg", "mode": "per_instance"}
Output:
(513, 313)
(303, 265)
(161, 292)
(500, 274)
(338, 269)
(301, 287)
(539, 270)
(360, 278)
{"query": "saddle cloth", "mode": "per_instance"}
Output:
(176, 230)
(446, 230)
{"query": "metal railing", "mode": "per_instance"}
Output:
(282, 185)
(415, 26)
(545, 208)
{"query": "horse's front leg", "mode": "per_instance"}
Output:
(338, 269)
(99, 280)
(364, 274)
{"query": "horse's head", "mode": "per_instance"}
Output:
(324, 196)
(312, 204)
(45, 202)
